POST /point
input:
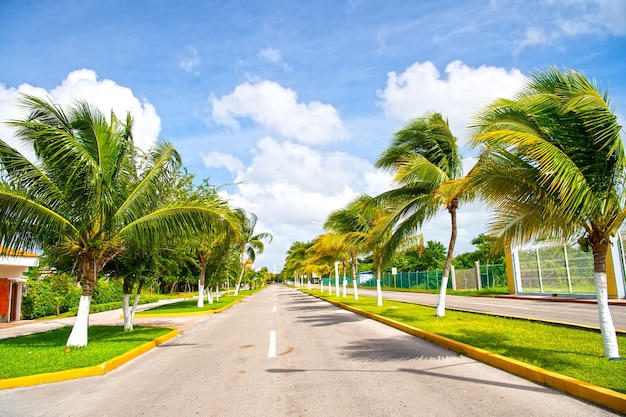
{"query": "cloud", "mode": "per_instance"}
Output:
(190, 61)
(420, 88)
(274, 56)
(83, 84)
(558, 19)
(289, 186)
(277, 109)
(222, 160)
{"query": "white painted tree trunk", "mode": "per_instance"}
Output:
(217, 293)
(441, 301)
(345, 283)
(379, 293)
(607, 329)
(128, 321)
(356, 291)
(237, 290)
(336, 279)
(134, 309)
(200, 295)
(210, 295)
(78, 336)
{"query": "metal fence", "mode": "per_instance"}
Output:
(491, 276)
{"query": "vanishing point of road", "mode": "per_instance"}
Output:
(284, 353)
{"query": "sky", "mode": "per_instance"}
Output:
(286, 105)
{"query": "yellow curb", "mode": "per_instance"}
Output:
(610, 399)
(218, 310)
(103, 368)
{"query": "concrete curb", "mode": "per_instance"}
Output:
(604, 397)
(218, 310)
(103, 368)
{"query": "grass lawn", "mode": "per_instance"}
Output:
(191, 306)
(572, 352)
(46, 352)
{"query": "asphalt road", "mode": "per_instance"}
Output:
(284, 353)
(582, 312)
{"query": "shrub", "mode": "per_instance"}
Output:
(55, 294)
(108, 291)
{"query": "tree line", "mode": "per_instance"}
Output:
(551, 166)
(95, 204)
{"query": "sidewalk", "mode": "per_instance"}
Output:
(106, 318)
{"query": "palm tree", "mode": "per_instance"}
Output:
(427, 165)
(86, 193)
(249, 243)
(371, 234)
(343, 223)
(297, 258)
(552, 165)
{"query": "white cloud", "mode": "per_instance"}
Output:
(274, 56)
(222, 160)
(290, 186)
(420, 88)
(83, 84)
(593, 17)
(190, 61)
(277, 109)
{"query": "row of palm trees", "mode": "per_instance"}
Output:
(551, 165)
(93, 197)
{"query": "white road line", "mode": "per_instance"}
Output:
(274, 309)
(272, 350)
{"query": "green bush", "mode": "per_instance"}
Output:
(109, 291)
(55, 294)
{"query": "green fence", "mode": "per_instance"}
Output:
(491, 276)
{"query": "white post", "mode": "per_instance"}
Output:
(479, 283)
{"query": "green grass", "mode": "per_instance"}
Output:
(568, 351)
(191, 306)
(46, 352)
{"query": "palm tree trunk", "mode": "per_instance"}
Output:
(128, 289)
(343, 264)
(243, 268)
(78, 336)
(441, 302)
(354, 278)
(201, 286)
(607, 329)
(337, 278)
(379, 291)
(136, 301)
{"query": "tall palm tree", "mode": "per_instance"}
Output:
(371, 234)
(552, 165)
(427, 165)
(249, 244)
(86, 193)
(342, 224)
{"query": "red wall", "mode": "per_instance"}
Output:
(5, 285)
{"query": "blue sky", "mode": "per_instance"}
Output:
(288, 103)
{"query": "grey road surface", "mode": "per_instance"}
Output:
(284, 353)
(580, 312)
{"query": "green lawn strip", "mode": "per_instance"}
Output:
(191, 306)
(568, 351)
(46, 352)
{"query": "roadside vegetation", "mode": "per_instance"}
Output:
(568, 351)
(46, 352)
(551, 167)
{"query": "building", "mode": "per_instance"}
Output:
(12, 266)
